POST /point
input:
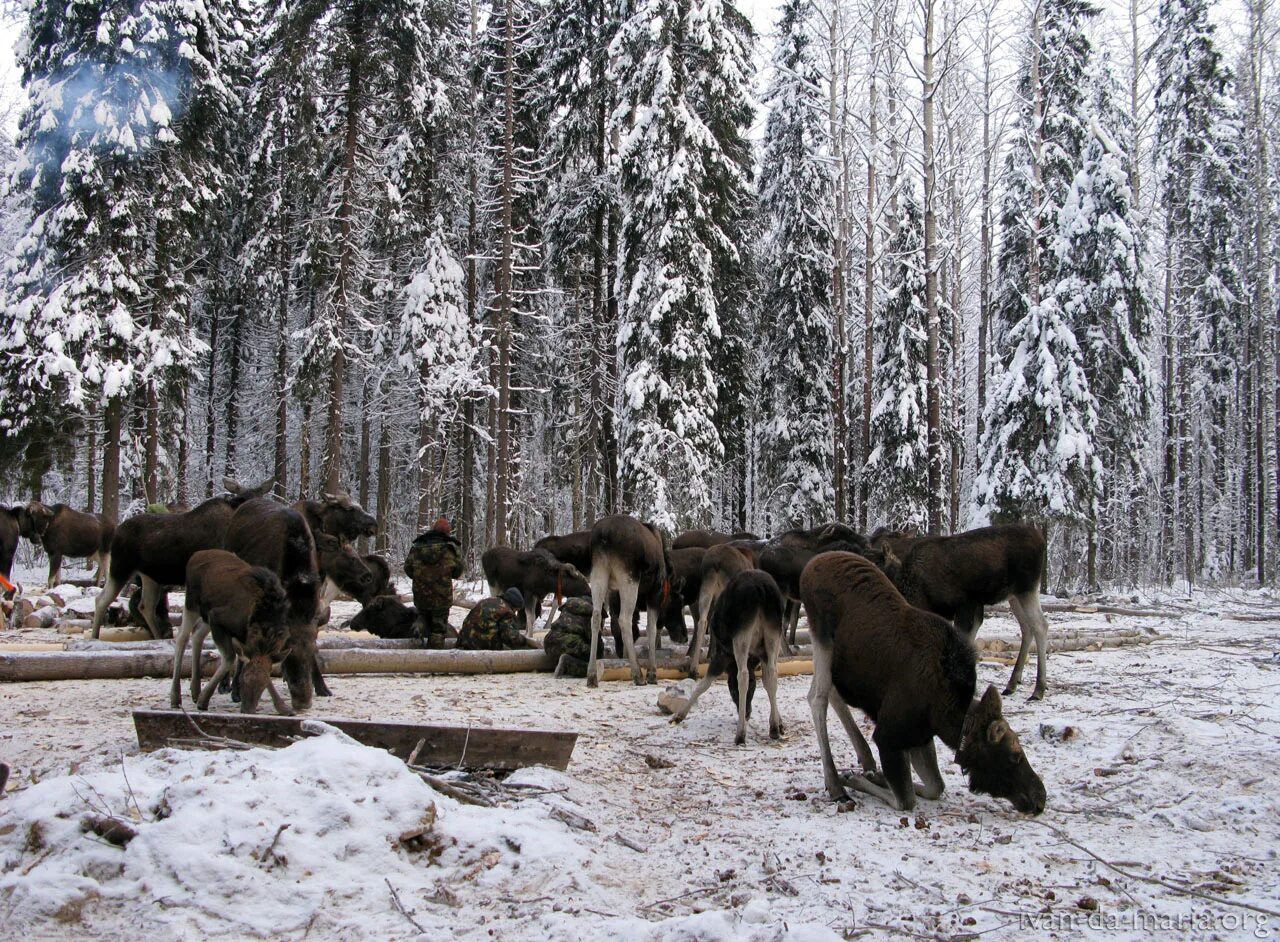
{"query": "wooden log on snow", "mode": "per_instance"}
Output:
(677, 668)
(467, 747)
(124, 665)
(42, 617)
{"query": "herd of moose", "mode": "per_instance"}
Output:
(892, 617)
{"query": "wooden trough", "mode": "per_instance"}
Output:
(463, 747)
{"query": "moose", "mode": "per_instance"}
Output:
(914, 675)
(633, 559)
(158, 546)
(705, 539)
(341, 570)
(536, 573)
(338, 515)
(264, 533)
(244, 607)
(720, 563)
(9, 533)
(955, 576)
(746, 631)
(572, 548)
(63, 531)
(385, 616)
(785, 557)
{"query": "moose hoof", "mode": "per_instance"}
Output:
(775, 732)
(653, 677)
(592, 681)
(1008, 691)
(740, 739)
(875, 777)
(1037, 695)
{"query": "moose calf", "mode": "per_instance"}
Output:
(244, 607)
(746, 630)
(914, 675)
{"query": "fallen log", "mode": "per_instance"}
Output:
(132, 665)
(677, 668)
(468, 747)
(42, 617)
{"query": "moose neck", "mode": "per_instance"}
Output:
(948, 723)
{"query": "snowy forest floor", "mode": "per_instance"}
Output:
(1168, 773)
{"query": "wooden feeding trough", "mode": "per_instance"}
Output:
(463, 747)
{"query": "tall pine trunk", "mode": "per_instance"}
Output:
(347, 249)
(933, 395)
(113, 426)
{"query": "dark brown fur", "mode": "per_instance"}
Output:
(159, 546)
(955, 576)
(720, 563)
(536, 573)
(705, 539)
(914, 675)
(63, 531)
(572, 548)
(380, 572)
(387, 617)
(267, 534)
(338, 515)
(8, 543)
(244, 607)
(632, 558)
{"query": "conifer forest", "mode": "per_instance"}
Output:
(917, 263)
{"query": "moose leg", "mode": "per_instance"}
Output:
(277, 701)
(317, 679)
(865, 757)
(1026, 608)
(197, 657)
(599, 599)
(924, 759)
(793, 623)
(530, 614)
(653, 631)
(705, 599)
(151, 591)
(820, 691)
(108, 595)
(741, 658)
(628, 592)
(189, 620)
(769, 674)
(227, 656)
(897, 772)
(55, 569)
(104, 566)
(699, 689)
(968, 620)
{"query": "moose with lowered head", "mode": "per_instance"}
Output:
(244, 607)
(914, 674)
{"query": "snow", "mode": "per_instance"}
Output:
(1168, 774)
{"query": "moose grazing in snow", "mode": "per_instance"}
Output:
(955, 576)
(244, 607)
(720, 563)
(536, 573)
(159, 546)
(914, 675)
(63, 531)
(264, 533)
(633, 559)
(746, 630)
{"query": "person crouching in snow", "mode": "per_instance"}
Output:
(494, 625)
(569, 639)
(434, 561)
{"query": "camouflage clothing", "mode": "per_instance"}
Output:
(432, 564)
(492, 625)
(569, 639)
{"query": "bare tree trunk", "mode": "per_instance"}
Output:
(838, 286)
(113, 423)
(151, 455)
(1169, 499)
(984, 277)
(184, 447)
(211, 402)
(283, 268)
(869, 264)
(91, 469)
(233, 388)
(426, 447)
(467, 531)
(304, 459)
(933, 394)
(1263, 261)
(505, 286)
(347, 250)
(383, 514)
(365, 446)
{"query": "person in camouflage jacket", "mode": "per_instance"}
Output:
(494, 625)
(434, 561)
(569, 639)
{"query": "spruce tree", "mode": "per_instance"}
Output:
(897, 467)
(795, 202)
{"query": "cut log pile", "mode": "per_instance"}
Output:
(69, 608)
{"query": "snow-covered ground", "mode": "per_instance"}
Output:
(1168, 773)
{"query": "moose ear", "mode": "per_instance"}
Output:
(232, 485)
(991, 702)
(997, 731)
